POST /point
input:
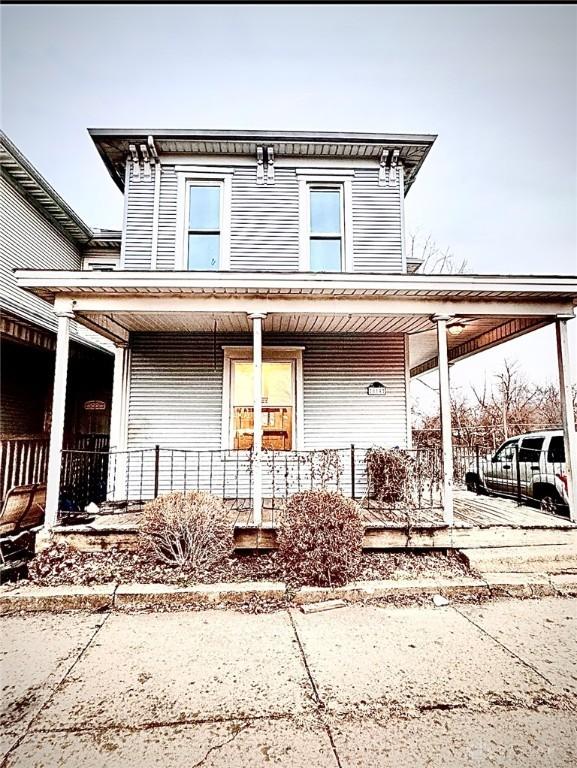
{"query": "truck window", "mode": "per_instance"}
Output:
(556, 452)
(506, 452)
(531, 448)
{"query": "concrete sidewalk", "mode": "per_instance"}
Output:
(467, 685)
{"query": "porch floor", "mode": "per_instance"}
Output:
(480, 521)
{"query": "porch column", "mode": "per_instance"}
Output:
(567, 416)
(257, 319)
(445, 410)
(118, 415)
(58, 413)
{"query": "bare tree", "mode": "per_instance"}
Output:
(434, 260)
(487, 415)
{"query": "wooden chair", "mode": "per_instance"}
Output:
(22, 509)
(22, 512)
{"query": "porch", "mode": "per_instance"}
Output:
(480, 521)
(434, 320)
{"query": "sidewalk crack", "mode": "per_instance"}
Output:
(505, 647)
(216, 747)
(55, 690)
(317, 696)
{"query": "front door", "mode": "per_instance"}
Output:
(278, 405)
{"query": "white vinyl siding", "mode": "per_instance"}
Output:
(264, 222)
(176, 389)
(29, 241)
(167, 218)
(137, 245)
(377, 223)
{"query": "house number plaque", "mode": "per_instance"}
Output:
(94, 405)
(376, 388)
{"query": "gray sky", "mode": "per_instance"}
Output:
(497, 83)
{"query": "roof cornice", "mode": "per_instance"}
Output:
(113, 145)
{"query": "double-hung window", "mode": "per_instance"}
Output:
(204, 211)
(203, 218)
(326, 228)
(325, 220)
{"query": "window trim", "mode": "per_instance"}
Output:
(338, 181)
(269, 354)
(186, 179)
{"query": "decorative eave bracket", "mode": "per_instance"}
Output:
(144, 155)
(264, 165)
(388, 166)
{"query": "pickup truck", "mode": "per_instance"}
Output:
(531, 466)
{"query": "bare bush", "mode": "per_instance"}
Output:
(390, 475)
(189, 529)
(320, 538)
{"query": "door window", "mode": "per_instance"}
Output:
(556, 453)
(506, 452)
(530, 450)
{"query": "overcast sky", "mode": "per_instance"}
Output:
(498, 84)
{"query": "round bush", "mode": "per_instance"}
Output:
(320, 538)
(188, 529)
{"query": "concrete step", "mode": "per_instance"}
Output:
(528, 559)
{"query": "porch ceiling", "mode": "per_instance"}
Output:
(238, 322)
(479, 332)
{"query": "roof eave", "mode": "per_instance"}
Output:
(74, 228)
(140, 135)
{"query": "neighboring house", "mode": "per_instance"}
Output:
(283, 253)
(38, 230)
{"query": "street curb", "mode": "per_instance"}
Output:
(142, 596)
(57, 599)
(366, 590)
(127, 597)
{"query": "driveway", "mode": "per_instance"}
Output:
(457, 686)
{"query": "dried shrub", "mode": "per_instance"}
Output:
(320, 538)
(391, 475)
(189, 529)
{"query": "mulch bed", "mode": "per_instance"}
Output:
(60, 565)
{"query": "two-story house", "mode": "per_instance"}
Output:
(264, 304)
(38, 230)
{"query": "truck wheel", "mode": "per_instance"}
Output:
(549, 501)
(474, 484)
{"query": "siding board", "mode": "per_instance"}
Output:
(377, 242)
(176, 390)
(29, 241)
(175, 401)
(264, 222)
(139, 217)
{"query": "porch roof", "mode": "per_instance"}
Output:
(489, 309)
(51, 283)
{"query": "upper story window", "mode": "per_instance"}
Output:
(325, 221)
(203, 219)
(204, 225)
(326, 229)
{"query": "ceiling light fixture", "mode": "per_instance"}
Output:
(456, 329)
